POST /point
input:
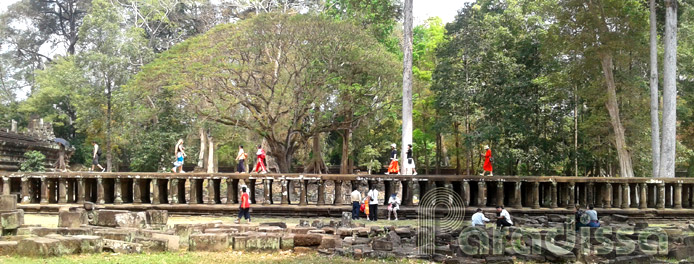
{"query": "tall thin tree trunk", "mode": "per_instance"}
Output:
(438, 153)
(667, 149)
(407, 79)
(109, 110)
(655, 124)
(344, 162)
(210, 155)
(625, 166)
(456, 130)
(575, 132)
(203, 147)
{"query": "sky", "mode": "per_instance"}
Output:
(422, 9)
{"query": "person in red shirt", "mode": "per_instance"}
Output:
(488, 162)
(245, 206)
(261, 160)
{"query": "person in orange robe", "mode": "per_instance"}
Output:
(488, 162)
(394, 168)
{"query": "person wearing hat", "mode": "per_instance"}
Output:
(487, 162)
(393, 168)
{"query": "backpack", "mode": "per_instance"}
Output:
(98, 152)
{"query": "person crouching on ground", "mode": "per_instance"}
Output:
(503, 218)
(478, 219)
(245, 206)
(393, 206)
(356, 199)
(394, 168)
(593, 216)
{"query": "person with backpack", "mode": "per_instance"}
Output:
(488, 159)
(95, 157)
(244, 206)
(241, 157)
(261, 160)
(180, 154)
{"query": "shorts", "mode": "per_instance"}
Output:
(178, 164)
(95, 161)
(408, 165)
(245, 212)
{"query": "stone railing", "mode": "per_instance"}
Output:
(527, 192)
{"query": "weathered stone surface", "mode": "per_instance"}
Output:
(173, 243)
(107, 217)
(10, 220)
(300, 229)
(238, 242)
(118, 246)
(71, 219)
(36, 231)
(8, 247)
(499, 259)
(263, 242)
(330, 242)
(681, 252)
(636, 259)
(221, 231)
(208, 242)
(157, 217)
(131, 220)
(317, 224)
(239, 227)
(8, 202)
(39, 246)
(316, 231)
(90, 244)
(116, 234)
(619, 218)
(303, 250)
(307, 240)
(382, 244)
(152, 244)
(343, 232)
(404, 232)
(346, 220)
(270, 229)
(277, 224)
(75, 231)
(287, 241)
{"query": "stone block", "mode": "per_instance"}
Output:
(405, 232)
(263, 242)
(38, 247)
(382, 245)
(10, 220)
(238, 242)
(8, 202)
(173, 241)
(277, 224)
(131, 220)
(90, 244)
(118, 246)
(620, 218)
(107, 217)
(344, 232)
(208, 242)
(221, 231)
(185, 230)
(307, 240)
(346, 220)
(287, 241)
(316, 231)
(300, 230)
(71, 219)
(303, 250)
(75, 231)
(330, 242)
(157, 217)
(68, 244)
(239, 227)
(680, 252)
(152, 244)
(8, 247)
(270, 229)
(116, 234)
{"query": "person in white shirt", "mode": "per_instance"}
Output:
(393, 206)
(503, 218)
(478, 219)
(373, 204)
(356, 203)
(241, 157)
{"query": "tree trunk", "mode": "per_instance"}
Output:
(667, 149)
(623, 154)
(210, 155)
(317, 164)
(655, 124)
(279, 157)
(575, 131)
(438, 153)
(203, 146)
(407, 80)
(344, 162)
(456, 130)
(109, 110)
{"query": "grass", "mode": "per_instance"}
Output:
(201, 257)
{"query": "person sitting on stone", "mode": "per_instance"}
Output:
(579, 216)
(593, 216)
(393, 206)
(503, 217)
(479, 219)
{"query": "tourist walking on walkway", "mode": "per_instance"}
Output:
(373, 204)
(409, 162)
(260, 157)
(478, 219)
(393, 206)
(180, 154)
(356, 203)
(244, 206)
(488, 162)
(95, 157)
(393, 168)
(503, 217)
(593, 216)
(241, 158)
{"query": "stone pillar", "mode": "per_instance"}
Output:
(339, 198)
(625, 196)
(387, 190)
(668, 195)
(408, 192)
(44, 190)
(117, 192)
(62, 190)
(554, 203)
(25, 190)
(465, 192)
(303, 200)
(607, 197)
(173, 190)
(643, 193)
(517, 199)
(500, 193)
(590, 192)
(251, 191)
(617, 202)
(6, 185)
(536, 195)
(572, 195)
(210, 191)
(660, 203)
(100, 191)
(481, 194)
(285, 191)
(634, 192)
(685, 196)
(155, 192)
(81, 194)
(678, 196)
(267, 196)
(137, 191)
(321, 192)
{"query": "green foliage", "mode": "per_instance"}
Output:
(368, 157)
(34, 162)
